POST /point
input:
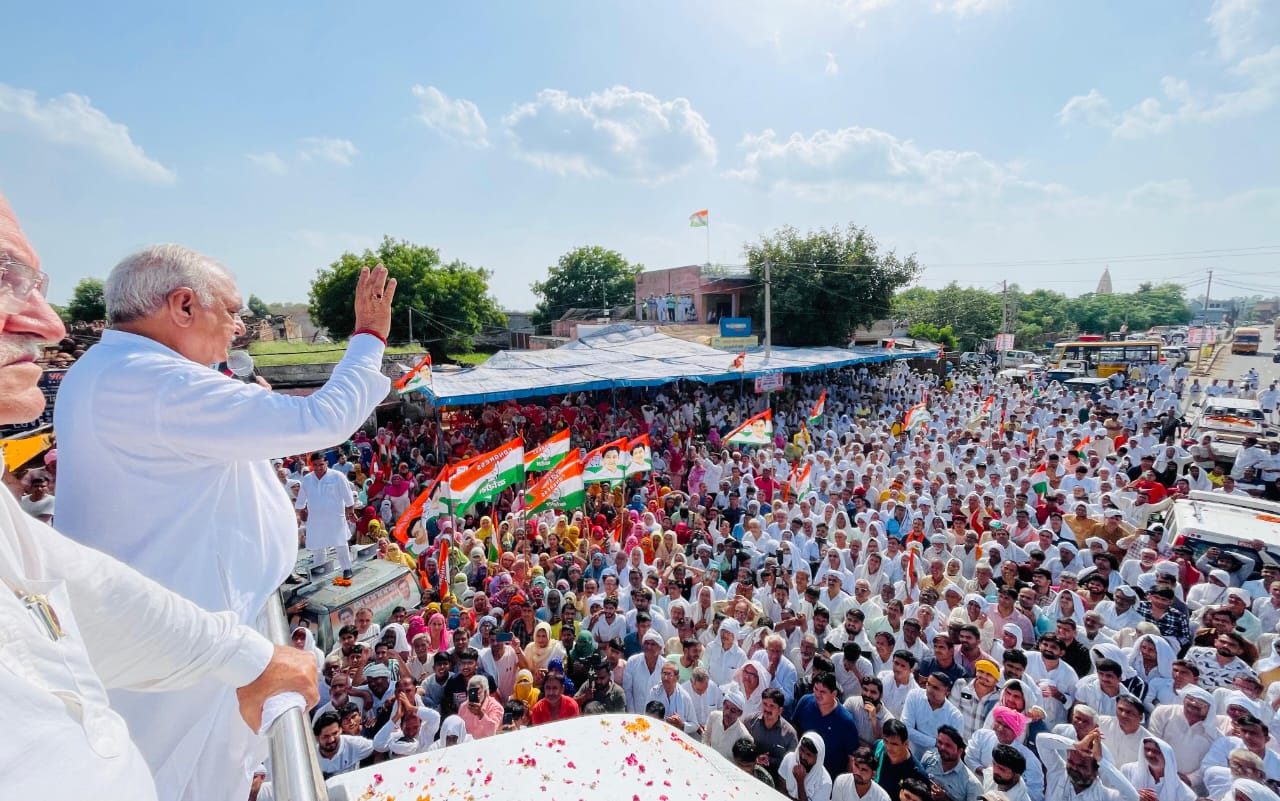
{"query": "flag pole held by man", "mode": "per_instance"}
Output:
(106, 627)
(165, 464)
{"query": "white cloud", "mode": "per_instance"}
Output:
(1235, 27)
(833, 66)
(1161, 194)
(1234, 24)
(458, 119)
(269, 161)
(970, 8)
(335, 151)
(866, 161)
(71, 119)
(619, 132)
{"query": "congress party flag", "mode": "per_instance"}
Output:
(1040, 481)
(758, 430)
(548, 454)
(699, 219)
(417, 378)
(917, 415)
(481, 478)
(740, 361)
(605, 463)
(561, 488)
(639, 458)
(819, 409)
(427, 506)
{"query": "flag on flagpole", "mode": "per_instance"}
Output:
(605, 463)
(818, 410)
(639, 457)
(428, 505)
(481, 478)
(699, 219)
(917, 415)
(740, 361)
(1084, 443)
(1040, 481)
(417, 378)
(757, 430)
(548, 454)
(561, 488)
(799, 481)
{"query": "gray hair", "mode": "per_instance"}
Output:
(139, 285)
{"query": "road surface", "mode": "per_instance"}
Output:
(1235, 365)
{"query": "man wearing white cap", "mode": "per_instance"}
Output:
(643, 672)
(1190, 728)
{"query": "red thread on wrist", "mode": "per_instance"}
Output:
(371, 333)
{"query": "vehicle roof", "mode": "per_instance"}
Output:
(366, 577)
(1229, 516)
(1231, 403)
(1088, 379)
(1105, 343)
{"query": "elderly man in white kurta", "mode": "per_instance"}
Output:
(74, 622)
(326, 504)
(164, 463)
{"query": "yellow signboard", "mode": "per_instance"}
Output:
(734, 343)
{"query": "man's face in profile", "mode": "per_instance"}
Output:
(26, 321)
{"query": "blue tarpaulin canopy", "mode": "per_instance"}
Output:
(632, 356)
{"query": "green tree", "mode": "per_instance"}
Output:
(943, 335)
(87, 304)
(586, 277)
(451, 303)
(258, 308)
(826, 283)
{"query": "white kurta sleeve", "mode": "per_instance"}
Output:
(140, 636)
(202, 413)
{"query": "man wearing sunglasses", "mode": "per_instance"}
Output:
(76, 622)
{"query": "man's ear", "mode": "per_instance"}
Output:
(181, 305)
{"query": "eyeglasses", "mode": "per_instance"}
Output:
(17, 282)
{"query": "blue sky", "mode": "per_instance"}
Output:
(995, 139)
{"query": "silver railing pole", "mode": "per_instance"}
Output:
(295, 762)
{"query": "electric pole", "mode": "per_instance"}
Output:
(1004, 320)
(768, 309)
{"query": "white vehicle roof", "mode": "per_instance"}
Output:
(1232, 403)
(1226, 518)
(592, 757)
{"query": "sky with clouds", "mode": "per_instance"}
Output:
(995, 139)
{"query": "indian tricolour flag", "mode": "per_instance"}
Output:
(819, 409)
(481, 478)
(699, 219)
(561, 488)
(917, 415)
(799, 480)
(1040, 481)
(548, 454)
(427, 506)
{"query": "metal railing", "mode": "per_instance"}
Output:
(295, 761)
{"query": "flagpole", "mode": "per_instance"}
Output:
(708, 240)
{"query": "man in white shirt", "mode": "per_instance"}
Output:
(144, 424)
(325, 504)
(77, 622)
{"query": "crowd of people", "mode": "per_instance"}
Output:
(980, 605)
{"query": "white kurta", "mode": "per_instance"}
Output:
(120, 630)
(326, 501)
(164, 463)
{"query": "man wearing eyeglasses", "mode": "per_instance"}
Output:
(144, 423)
(76, 622)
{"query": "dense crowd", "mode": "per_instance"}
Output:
(981, 604)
